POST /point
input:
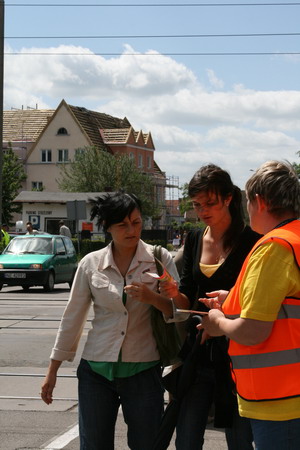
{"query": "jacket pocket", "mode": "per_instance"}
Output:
(99, 280)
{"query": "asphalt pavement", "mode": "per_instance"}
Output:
(38, 426)
(28, 324)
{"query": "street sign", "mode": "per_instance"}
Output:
(76, 210)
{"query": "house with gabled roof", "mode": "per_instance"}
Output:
(46, 139)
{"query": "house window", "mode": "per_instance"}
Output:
(131, 155)
(149, 165)
(37, 186)
(46, 156)
(63, 155)
(78, 152)
(140, 163)
(62, 131)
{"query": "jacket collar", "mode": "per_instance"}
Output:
(143, 253)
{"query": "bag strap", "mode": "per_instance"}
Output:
(157, 257)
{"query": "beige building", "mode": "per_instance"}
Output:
(46, 139)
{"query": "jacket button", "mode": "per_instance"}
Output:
(125, 313)
(122, 333)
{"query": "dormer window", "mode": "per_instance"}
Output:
(62, 131)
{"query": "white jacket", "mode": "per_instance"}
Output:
(98, 281)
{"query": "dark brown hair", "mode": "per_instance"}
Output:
(213, 179)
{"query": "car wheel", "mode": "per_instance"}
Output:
(49, 286)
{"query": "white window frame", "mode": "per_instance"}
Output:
(46, 156)
(38, 185)
(149, 162)
(62, 155)
(79, 151)
(140, 161)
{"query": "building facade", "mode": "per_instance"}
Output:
(46, 139)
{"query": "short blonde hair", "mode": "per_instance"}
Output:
(278, 184)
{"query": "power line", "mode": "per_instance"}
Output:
(153, 54)
(155, 5)
(160, 36)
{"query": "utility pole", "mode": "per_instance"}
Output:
(1, 98)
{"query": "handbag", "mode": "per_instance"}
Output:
(166, 335)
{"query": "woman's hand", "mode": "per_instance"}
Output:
(210, 323)
(47, 388)
(215, 300)
(169, 288)
(50, 381)
(139, 292)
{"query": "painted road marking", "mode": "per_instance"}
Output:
(63, 440)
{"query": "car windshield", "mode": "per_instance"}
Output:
(30, 245)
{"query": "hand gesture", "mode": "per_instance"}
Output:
(215, 300)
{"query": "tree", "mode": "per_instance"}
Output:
(185, 203)
(13, 175)
(297, 166)
(95, 170)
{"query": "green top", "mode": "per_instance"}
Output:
(120, 369)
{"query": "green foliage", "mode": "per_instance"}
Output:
(87, 246)
(185, 203)
(13, 175)
(155, 242)
(188, 226)
(297, 166)
(95, 170)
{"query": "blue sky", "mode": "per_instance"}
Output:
(236, 111)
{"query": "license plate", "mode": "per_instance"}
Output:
(15, 275)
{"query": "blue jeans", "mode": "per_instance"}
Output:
(276, 435)
(141, 397)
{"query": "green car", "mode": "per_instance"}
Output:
(38, 260)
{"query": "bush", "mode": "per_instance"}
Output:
(87, 246)
(156, 242)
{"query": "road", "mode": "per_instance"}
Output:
(28, 325)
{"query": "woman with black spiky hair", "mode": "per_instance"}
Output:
(120, 363)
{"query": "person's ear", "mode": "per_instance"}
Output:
(228, 200)
(260, 203)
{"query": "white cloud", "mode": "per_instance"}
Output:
(238, 128)
(214, 80)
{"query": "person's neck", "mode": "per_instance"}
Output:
(272, 222)
(123, 257)
(216, 232)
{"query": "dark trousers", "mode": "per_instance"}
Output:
(141, 398)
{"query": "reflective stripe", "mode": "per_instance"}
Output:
(232, 316)
(289, 312)
(270, 359)
(285, 312)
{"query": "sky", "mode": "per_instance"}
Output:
(214, 81)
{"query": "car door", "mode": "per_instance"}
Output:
(71, 257)
(60, 261)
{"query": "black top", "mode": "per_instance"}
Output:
(195, 284)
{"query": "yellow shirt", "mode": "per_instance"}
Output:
(271, 276)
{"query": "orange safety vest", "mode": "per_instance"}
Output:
(269, 370)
